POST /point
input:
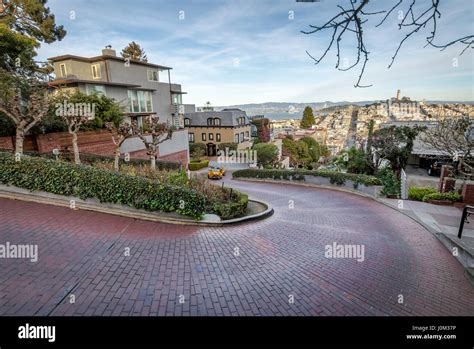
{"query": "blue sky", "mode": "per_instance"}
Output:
(252, 51)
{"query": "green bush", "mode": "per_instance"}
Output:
(391, 184)
(62, 178)
(451, 196)
(197, 165)
(236, 208)
(230, 146)
(338, 178)
(417, 193)
(267, 154)
(92, 159)
(197, 150)
(7, 126)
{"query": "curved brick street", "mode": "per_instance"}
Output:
(83, 254)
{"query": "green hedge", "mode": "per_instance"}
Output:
(85, 182)
(340, 177)
(237, 208)
(230, 146)
(197, 165)
(417, 193)
(391, 184)
(451, 196)
(335, 177)
(91, 159)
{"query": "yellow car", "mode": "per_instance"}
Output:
(216, 172)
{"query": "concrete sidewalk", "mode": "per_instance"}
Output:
(442, 221)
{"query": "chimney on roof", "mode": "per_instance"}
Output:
(109, 51)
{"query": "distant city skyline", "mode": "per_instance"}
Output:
(243, 51)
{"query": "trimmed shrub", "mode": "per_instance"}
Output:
(92, 159)
(197, 165)
(237, 208)
(417, 193)
(267, 154)
(230, 146)
(391, 184)
(451, 196)
(62, 178)
(338, 178)
(197, 150)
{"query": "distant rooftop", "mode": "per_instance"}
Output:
(228, 117)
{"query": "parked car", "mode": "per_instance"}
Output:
(216, 172)
(435, 168)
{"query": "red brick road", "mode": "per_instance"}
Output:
(249, 269)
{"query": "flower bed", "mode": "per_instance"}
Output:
(234, 209)
(136, 186)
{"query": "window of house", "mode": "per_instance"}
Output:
(140, 101)
(211, 136)
(236, 138)
(177, 99)
(203, 136)
(191, 137)
(133, 102)
(148, 102)
(247, 134)
(241, 136)
(187, 122)
(95, 89)
(217, 122)
(152, 75)
(210, 122)
(218, 137)
(96, 71)
(62, 68)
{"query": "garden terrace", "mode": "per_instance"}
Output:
(138, 187)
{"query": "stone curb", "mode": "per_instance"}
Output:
(16, 193)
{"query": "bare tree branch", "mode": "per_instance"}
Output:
(353, 19)
(339, 24)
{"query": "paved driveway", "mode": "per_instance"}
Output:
(97, 264)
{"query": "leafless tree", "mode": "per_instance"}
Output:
(353, 18)
(453, 136)
(25, 114)
(119, 135)
(157, 133)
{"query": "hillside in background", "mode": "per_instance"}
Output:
(296, 109)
